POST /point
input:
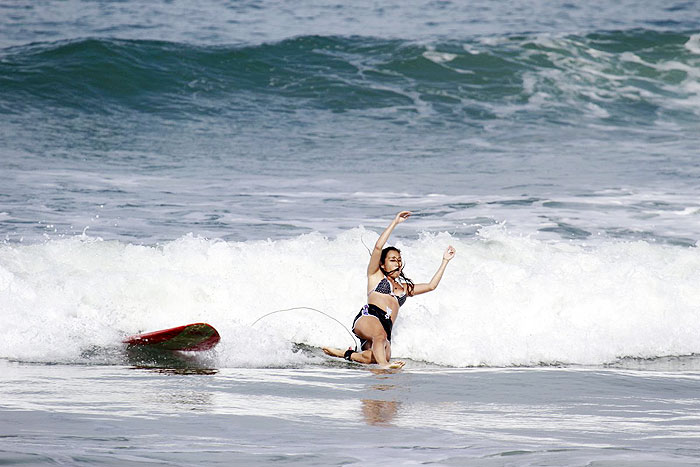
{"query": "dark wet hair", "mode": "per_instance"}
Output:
(407, 281)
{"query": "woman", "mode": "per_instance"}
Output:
(387, 290)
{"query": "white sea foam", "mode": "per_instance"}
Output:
(583, 70)
(505, 299)
(693, 44)
(439, 57)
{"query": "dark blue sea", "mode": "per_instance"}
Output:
(167, 162)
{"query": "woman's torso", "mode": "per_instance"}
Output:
(386, 295)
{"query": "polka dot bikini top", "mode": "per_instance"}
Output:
(385, 287)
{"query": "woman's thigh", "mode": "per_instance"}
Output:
(369, 328)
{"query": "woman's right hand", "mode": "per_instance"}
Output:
(402, 216)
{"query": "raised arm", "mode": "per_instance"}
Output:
(373, 265)
(432, 285)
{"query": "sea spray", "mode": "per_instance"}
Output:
(519, 301)
(504, 300)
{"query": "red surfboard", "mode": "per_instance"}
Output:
(191, 337)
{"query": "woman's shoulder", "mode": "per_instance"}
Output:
(374, 279)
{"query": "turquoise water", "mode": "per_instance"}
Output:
(163, 163)
(564, 132)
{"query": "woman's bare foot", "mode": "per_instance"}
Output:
(395, 365)
(389, 368)
(333, 352)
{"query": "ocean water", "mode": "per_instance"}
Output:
(231, 162)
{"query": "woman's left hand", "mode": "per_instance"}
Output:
(402, 216)
(449, 253)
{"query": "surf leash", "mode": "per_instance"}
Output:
(312, 309)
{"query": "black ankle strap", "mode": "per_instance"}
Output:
(348, 353)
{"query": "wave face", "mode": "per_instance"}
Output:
(170, 137)
(505, 300)
(622, 78)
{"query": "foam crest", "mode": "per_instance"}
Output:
(522, 302)
(693, 44)
(504, 300)
(439, 57)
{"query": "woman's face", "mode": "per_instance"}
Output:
(392, 263)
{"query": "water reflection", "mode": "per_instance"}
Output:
(178, 371)
(379, 412)
(168, 361)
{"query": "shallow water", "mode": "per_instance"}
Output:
(120, 415)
